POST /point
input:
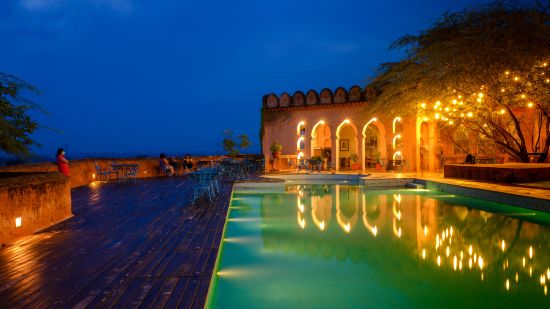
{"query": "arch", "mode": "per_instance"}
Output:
(346, 131)
(321, 140)
(272, 100)
(344, 221)
(378, 145)
(368, 226)
(284, 100)
(340, 95)
(326, 96)
(298, 99)
(395, 127)
(301, 128)
(394, 141)
(355, 94)
(312, 97)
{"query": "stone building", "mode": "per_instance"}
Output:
(339, 126)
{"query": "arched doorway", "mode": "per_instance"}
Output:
(321, 143)
(374, 144)
(347, 150)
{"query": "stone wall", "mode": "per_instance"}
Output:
(33, 200)
(511, 172)
(41, 196)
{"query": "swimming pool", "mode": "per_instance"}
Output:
(344, 246)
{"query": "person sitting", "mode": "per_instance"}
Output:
(187, 163)
(470, 159)
(173, 162)
(165, 166)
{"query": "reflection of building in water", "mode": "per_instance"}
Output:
(422, 226)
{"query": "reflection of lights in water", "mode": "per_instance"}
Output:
(397, 198)
(503, 245)
(438, 260)
(475, 257)
(322, 225)
(507, 284)
(374, 230)
(480, 262)
(530, 252)
(530, 271)
(347, 227)
(482, 276)
(470, 250)
(447, 251)
(470, 263)
(455, 262)
(542, 279)
(548, 273)
(396, 230)
(545, 291)
(425, 230)
(461, 254)
(301, 207)
(523, 261)
(460, 264)
(451, 231)
(301, 221)
(436, 241)
(517, 276)
(423, 254)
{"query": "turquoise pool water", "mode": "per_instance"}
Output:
(339, 246)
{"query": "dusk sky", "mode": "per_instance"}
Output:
(123, 76)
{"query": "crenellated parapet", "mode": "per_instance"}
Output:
(313, 98)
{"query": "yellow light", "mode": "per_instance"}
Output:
(480, 262)
(502, 111)
(502, 90)
(447, 251)
(460, 265)
(18, 221)
(544, 64)
(398, 136)
(478, 100)
(530, 271)
(517, 276)
(461, 255)
(548, 80)
(347, 227)
(507, 72)
(460, 97)
(423, 105)
(446, 109)
(516, 78)
(530, 104)
(507, 284)
(470, 263)
(437, 103)
(470, 250)
(423, 254)
(436, 115)
(322, 225)
(545, 291)
(542, 280)
(455, 262)
(93, 175)
(425, 230)
(523, 261)
(523, 96)
(451, 122)
(454, 101)
(438, 260)
(470, 114)
(480, 95)
(451, 231)
(426, 119)
(530, 252)
(503, 245)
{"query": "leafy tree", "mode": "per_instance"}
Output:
(234, 147)
(15, 124)
(484, 69)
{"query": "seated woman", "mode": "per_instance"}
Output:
(165, 166)
(187, 162)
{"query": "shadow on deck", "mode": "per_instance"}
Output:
(127, 245)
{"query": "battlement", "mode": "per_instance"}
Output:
(313, 98)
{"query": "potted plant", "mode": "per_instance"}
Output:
(378, 161)
(353, 159)
(276, 149)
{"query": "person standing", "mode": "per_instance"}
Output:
(62, 162)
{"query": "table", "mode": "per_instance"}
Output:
(126, 171)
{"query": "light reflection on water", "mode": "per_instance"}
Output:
(408, 247)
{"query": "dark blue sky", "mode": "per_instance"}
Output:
(149, 76)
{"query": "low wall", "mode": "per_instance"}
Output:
(82, 171)
(511, 172)
(32, 200)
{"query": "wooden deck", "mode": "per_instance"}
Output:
(134, 245)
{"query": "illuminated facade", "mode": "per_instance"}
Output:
(339, 127)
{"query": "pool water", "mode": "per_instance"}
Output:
(341, 246)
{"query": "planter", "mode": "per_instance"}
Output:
(276, 155)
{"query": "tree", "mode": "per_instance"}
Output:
(15, 124)
(234, 147)
(485, 69)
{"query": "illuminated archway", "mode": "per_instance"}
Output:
(321, 140)
(373, 141)
(345, 131)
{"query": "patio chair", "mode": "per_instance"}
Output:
(104, 172)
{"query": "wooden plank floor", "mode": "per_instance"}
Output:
(134, 245)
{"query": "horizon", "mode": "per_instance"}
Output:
(122, 76)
